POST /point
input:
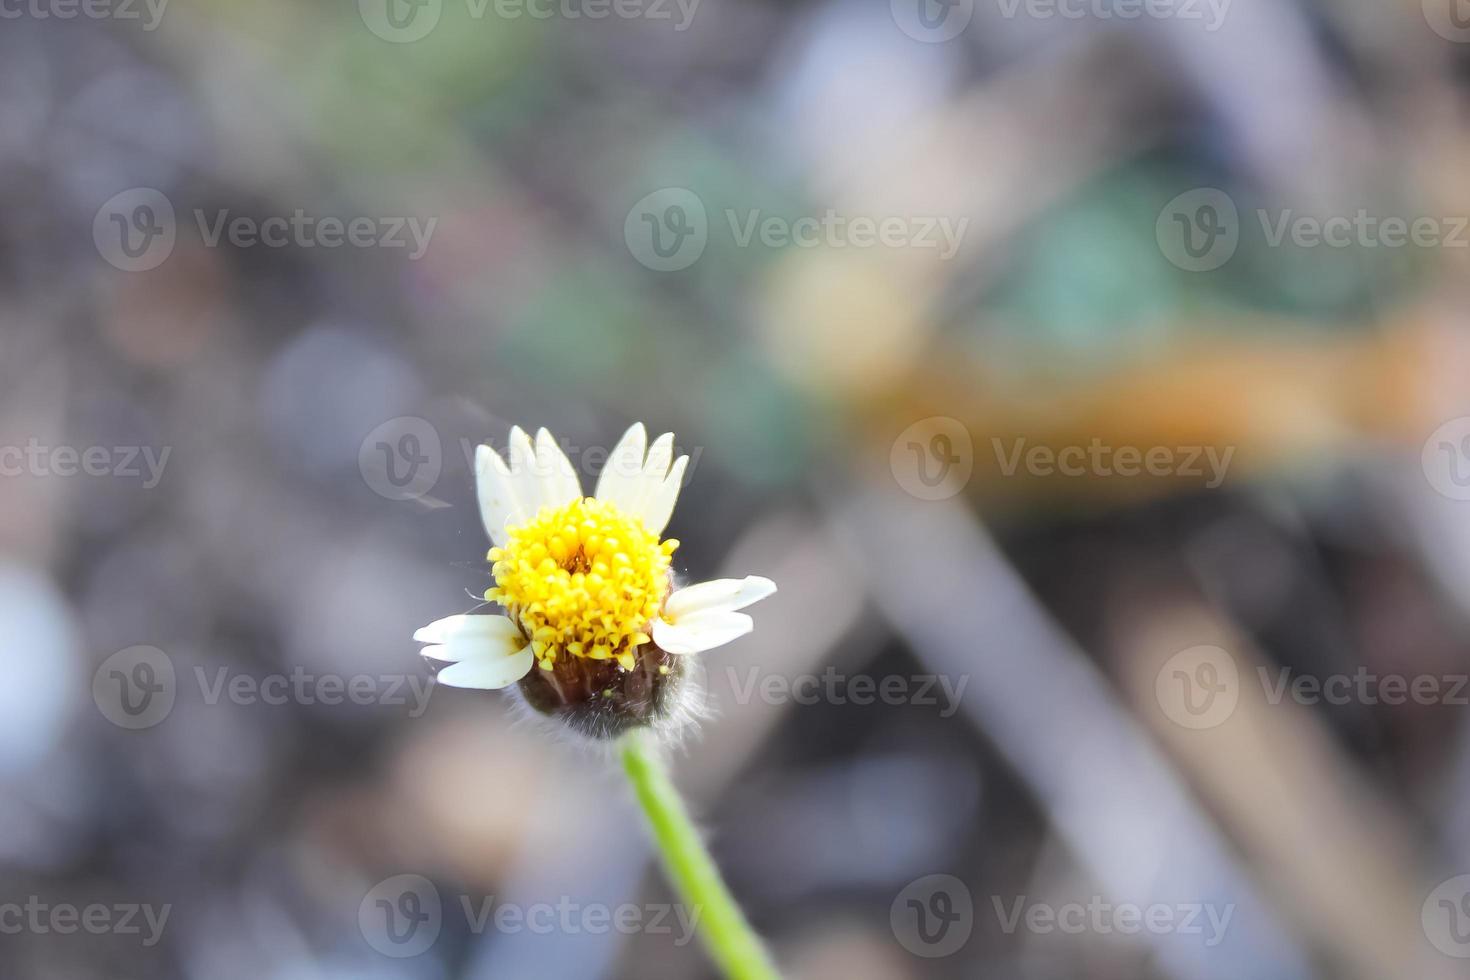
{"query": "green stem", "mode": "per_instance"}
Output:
(728, 937)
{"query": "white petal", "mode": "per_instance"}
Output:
(527, 481)
(500, 505)
(489, 672)
(463, 637)
(726, 594)
(440, 630)
(702, 631)
(622, 475)
(557, 475)
(658, 506)
(656, 467)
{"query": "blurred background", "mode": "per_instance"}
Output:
(1089, 374)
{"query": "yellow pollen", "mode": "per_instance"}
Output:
(583, 580)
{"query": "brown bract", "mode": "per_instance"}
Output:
(601, 700)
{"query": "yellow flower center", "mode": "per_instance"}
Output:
(585, 578)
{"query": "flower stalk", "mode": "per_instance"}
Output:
(728, 937)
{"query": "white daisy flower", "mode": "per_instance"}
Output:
(593, 629)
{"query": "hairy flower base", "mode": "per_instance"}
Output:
(602, 700)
